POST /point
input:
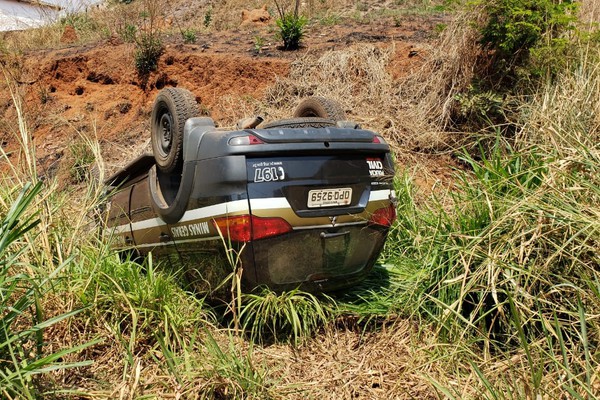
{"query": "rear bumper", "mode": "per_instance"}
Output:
(317, 259)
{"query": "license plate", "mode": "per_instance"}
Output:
(329, 197)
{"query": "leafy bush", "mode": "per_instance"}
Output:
(189, 36)
(291, 30)
(514, 28)
(149, 48)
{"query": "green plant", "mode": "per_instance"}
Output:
(128, 33)
(259, 43)
(513, 28)
(149, 48)
(189, 36)
(291, 26)
(233, 373)
(295, 315)
(330, 19)
(81, 22)
(22, 319)
(480, 108)
(83, 159)
(208, 17)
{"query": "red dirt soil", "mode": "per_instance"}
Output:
(95, 89)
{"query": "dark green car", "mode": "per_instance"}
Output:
(304, 202)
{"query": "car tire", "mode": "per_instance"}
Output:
(320, 107)
(172, 107)
(300, 123)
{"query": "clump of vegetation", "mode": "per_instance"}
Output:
(149, 48)
(208, 17)
(83, 159)
(189, 36)
(148, 44)
(22, 315)
(293, 315)
(513, 32)
(291, 26)
(128, 33)
(259, 43)
(522, 41)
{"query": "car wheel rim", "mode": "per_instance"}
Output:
(166, 133)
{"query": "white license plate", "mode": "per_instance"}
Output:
(329, 197)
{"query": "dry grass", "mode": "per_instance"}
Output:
(345, 364)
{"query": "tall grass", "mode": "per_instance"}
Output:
(509, 257)
(23, 286)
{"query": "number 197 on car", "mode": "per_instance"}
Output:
(329, 197)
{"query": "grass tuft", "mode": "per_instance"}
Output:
(292, 315)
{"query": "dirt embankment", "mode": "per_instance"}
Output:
(95, 91)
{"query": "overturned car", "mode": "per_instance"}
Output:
(304, 202)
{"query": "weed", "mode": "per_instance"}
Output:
(232, 373)
(149, 48)
(259, 43)
(330, 19)
(21, 344)
(291, 26)
(189, 36)
(129, 33)
(362, 7)
(295, 315)
(83, 159)
(208, 17)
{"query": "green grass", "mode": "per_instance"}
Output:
(23, 286)
(292, 315)
(501, 268)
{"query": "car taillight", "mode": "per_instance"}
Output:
(243, 228)
(267, 227)
(245, 140)
(384, 216)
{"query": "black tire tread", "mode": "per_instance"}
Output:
(320, 107)
(182, 105)
(309, 122)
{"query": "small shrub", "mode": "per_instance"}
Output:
(189, 36)
(291, 26)
(128, 33)
(480, 107)
(259, 43)
(149, 48)
(291, 30)
(513, 28)
(208, 17)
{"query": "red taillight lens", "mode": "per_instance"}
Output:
(255, 140)
(267, 227)
(384, 216)
(243, 228)
(244, 140)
